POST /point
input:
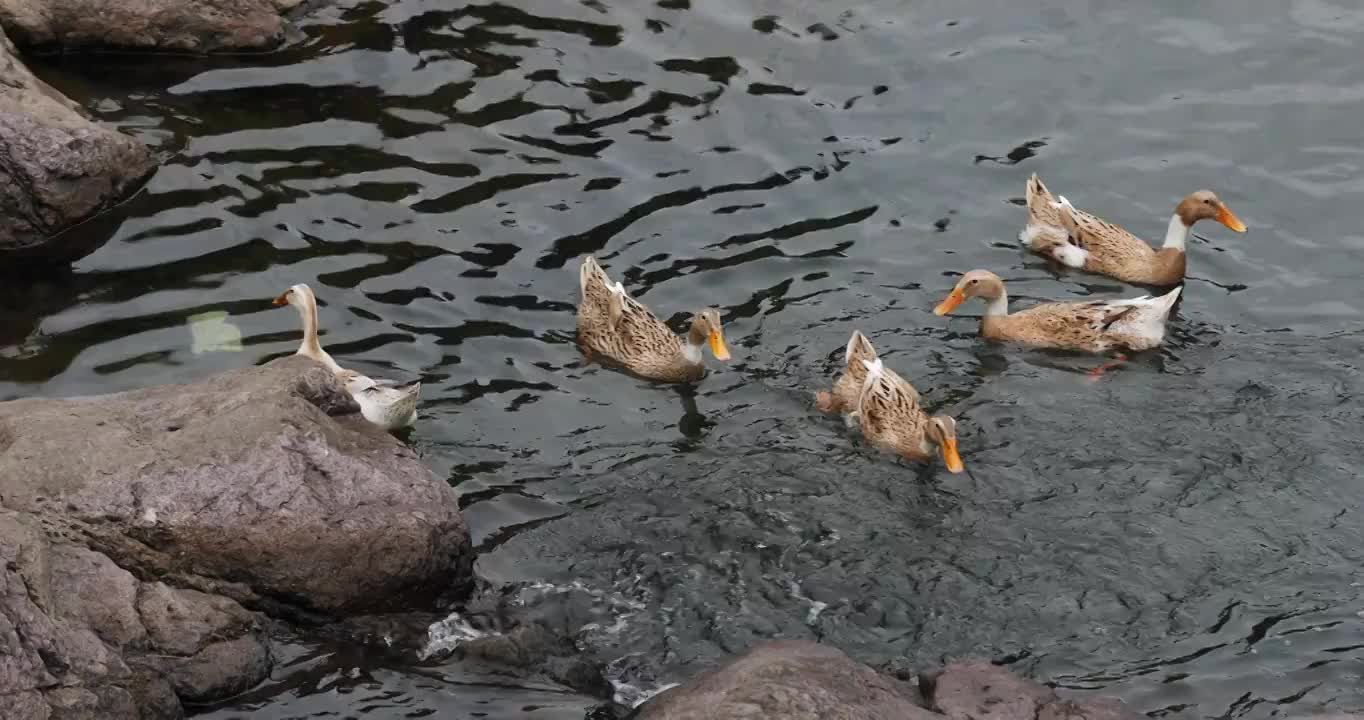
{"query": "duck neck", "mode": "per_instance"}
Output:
(996, 310)
(311, 346)
(692, 346)
(1176, 234)
(999, 306)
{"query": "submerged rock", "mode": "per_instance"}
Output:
(57, 166)
(800, 680)
(187, 25)
(792, 680)
(982, 691)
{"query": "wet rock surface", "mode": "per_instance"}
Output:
(81, 637)
(137, 529)
(800, 680)
(57, 166)
(788, 679)
(259, 484)
(185, 25)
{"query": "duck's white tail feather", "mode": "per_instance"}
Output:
(1162, 304)
(1167, 301)
(876, 374)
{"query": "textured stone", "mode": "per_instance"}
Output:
(792, 680)
(798, 680)
(57, 166)
(245, 486)
(186, 25)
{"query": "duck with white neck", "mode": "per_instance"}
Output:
(386, 404)
(1098, 326)
(1077, 239)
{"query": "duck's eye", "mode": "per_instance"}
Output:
(972, 282)
(1207, 201)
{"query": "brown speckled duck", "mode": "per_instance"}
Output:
(614, 326)
(1096, 326)
(886, 408)
(889, 414)
(1056, 229)
(848, 387)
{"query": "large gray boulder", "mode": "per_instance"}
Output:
(801, 680)
(82, 638)
(144, 536)
(184, 25)
(259, 484)
(57, 166)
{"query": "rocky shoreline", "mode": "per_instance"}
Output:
(58, 166)
(151, 537)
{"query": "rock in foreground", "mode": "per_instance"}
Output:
(185, 25)
(790, 680)
(799, 680)
(139, 531)
(244, 485)
(57, 167)
(82, 638)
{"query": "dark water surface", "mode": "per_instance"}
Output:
(1184, 534)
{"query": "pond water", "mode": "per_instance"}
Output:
(1184, 534)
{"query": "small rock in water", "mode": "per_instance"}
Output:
(212, 333)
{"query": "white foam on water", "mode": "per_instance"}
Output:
(444, 636)
(633, 696)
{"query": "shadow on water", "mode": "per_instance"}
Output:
(1181, 534)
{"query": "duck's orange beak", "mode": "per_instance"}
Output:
(1228, 218)
(283, 299)
(717, 345)
(950, 456)
(954, 300)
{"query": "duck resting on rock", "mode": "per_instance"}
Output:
(1096, 326)
(616, 327)
(1077, 239)
(386, 404)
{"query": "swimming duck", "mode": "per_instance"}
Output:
(615, 326)
(1079, 240)
(889, 414)
(1096, 326)
(848, 387)
(386, 404)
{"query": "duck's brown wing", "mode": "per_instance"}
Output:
(1105, 242)
(889, 412)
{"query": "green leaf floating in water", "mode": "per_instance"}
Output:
(212, 333)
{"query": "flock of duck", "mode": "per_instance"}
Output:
(617, 330)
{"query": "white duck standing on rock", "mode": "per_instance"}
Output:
(384, 403)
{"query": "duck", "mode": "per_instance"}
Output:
(848, 386)
(891, 418)
(1077, 239)
(389, 405)
(1096, 326)
(616, 327)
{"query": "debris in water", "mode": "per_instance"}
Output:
(212, 333)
